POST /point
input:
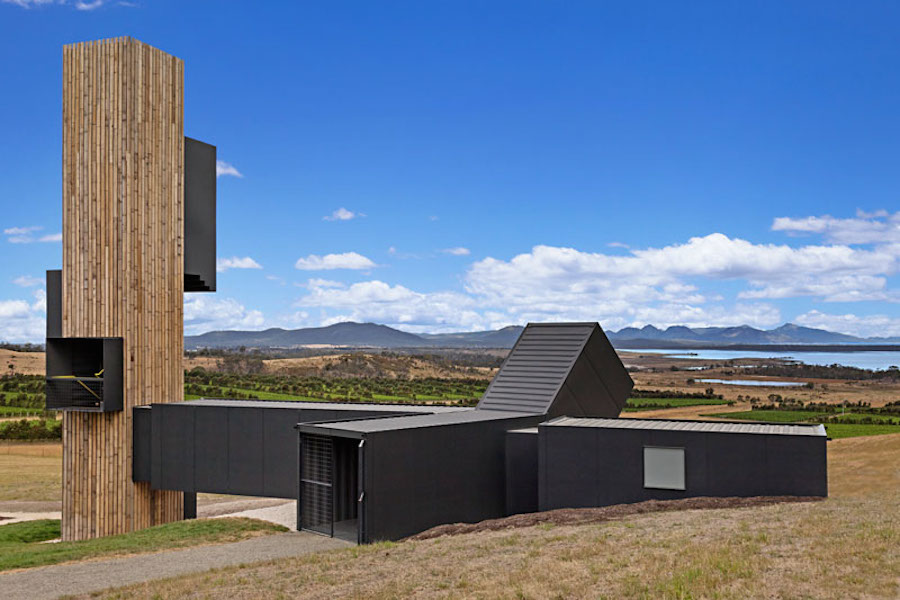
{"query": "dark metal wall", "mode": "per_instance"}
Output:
(199, 216)
(584, 466)
(141, 422)
(422, 477)
(598, 384)
(224, 449)
(54, 304)
(521, 471)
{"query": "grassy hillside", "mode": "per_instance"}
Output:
(845, 547)
(21, 547)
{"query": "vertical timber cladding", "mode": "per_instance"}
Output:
(123, 270)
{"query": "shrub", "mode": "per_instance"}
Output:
(24, 429)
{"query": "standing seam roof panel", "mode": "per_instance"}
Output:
(699, 426)
(537, 367)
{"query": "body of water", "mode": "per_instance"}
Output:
(863, 360)
(754, 382)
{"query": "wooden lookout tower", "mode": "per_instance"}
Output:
(138, 232)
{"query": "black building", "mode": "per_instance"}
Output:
(544, 435)
(600, 462)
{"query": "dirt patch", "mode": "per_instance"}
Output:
(23, 363)
(579, 516)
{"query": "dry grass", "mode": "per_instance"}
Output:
(26, 449)
(27, 475)
(25, 363)
(362, 365)
(836, 549)
(865, 467)
(845, 547)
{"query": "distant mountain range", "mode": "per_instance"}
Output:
(371, 335)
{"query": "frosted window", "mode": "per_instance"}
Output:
(664, 468)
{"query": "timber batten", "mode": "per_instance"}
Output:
(123, 266)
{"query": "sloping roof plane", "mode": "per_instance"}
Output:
(560, 369)
(698, 426)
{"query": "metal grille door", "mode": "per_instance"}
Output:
(316, 490)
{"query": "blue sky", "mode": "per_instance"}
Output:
(441, 166)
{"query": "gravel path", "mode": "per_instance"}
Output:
(283, 513)
(15, 511)
(27, 506)
(231, 508)
(86, 577)
(7, 518)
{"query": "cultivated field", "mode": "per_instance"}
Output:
(649, 371)
(655, 371)
(846, 546)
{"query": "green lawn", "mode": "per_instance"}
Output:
(17, 410)
(261, 395)
(885, 419)
(20, 545)
(846, 430)
(773, 416)
(835, 430)
(638, 404)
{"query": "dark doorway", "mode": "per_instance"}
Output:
(329, 486)
(316, 490)
(346, 488)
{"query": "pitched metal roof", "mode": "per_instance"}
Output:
(410, 421)
(560, 368)
(698, 426)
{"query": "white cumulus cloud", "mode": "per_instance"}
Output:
(224, 168)
(223, 264)
(879, 227)
(204, 312)
(82, 5)
(29, 3)
(457, 251)
(342, 214)
(394, 305)
(346, 260)
(27, 281)
(26, 235)
(878, 325)
(548, 277)
(22, 321)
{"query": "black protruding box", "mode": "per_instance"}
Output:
(199, 216)
(84, 374)
(142, 433)
(54, 303)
